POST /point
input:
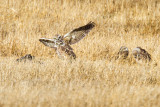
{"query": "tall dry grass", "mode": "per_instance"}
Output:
(94, 79)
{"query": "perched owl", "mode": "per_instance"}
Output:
(62, 43)
(141, 54)
(123, 53)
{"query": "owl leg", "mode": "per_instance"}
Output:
(59, 54)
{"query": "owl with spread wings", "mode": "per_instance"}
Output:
(62, 43)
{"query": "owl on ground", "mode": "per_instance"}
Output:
(141, 54)
(28, 57)
(123, 53)
(62, 43)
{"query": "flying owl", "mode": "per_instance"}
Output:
(141, 54)
(62, 43)
(123, 53)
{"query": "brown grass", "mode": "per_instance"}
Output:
(94, 79)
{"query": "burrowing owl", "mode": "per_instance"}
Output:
(62, 43)
(141, 54)
(123, 53)
(28, 57)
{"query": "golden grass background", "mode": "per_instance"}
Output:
(94, 78)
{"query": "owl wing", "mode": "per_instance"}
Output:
(79, 33)
(48, 42)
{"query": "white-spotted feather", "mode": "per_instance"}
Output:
(48, 42)
(79, 33)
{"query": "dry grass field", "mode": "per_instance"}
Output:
(94, 79)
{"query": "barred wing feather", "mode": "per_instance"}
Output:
(79, 33)
(48, 42)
